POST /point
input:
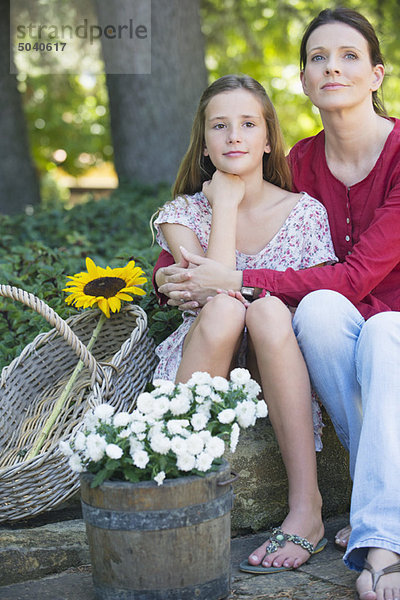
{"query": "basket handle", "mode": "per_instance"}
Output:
(57, 322)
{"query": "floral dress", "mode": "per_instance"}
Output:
(303, 241)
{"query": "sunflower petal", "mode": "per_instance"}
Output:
(91, 267)
(103, 305)
(122, 295)
(138, 291)
(114, 303)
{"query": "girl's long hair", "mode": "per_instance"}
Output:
(196, 168)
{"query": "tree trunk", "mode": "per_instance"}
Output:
(19, 185)
(151, 115)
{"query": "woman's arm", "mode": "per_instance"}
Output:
(360, 277)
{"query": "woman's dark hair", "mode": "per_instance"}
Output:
(355, 20)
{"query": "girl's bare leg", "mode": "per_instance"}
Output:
(286, 389)
(213, 339)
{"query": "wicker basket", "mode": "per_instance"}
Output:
(122, 363)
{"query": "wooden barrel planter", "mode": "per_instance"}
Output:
(168, 542)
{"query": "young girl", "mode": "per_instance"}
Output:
(233, 204)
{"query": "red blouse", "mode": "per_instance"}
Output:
(365, 228)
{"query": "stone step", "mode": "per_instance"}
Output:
(324, 576)
(34, 552)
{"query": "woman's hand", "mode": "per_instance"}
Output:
(224, 188)
(195, 285)
(176, 273)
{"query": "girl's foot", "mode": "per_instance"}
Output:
(292, 555)
(342, 537)
(388, 586)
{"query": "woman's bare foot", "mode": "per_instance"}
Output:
(304, 524)
(388, 586)
(342, 537)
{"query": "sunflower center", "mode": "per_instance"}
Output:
(104, 286)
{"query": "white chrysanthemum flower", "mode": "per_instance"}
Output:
(160, 443)
(159, 478)
(205, 408)
(177, 426)
(184, 390)
(75, 463)
(240, 376)
(227, 416)
(135, 445)
(216, 398)
(234, 437)
(195, 443)
(161, 406)
(252, 389)
(179, 445)
(80, 441)
(90, 422)
(137, 415)
(220, 384)
(125, 433)
(185, 462)
(199, 421)
(156, 429)
(137, 426)
(205, 435)
(215, 447)
(200, 378)
(203, 390)
(95, 446)
(246, 413)
(204, 462)
(122, 419)
(261, 409)
(163, 386)
(145, 403)
(179, 405)
(65, 448)
(114, 451)
(104, 412)
(140, 459)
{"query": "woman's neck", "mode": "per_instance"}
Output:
(353, 142)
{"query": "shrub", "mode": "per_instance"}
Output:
(38, 251)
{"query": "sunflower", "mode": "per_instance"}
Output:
(105, 287)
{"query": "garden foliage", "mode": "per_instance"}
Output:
(38, 251)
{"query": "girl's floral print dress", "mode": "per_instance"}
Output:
(303, 241)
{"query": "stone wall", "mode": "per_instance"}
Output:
(261, 490)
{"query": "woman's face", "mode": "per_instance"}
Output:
(235, 132)
(338, 72)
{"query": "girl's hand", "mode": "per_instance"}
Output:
(224, 188)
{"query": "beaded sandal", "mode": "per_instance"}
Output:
(376, 575)
(277, 540)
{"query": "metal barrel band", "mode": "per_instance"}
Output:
(216, 588)
(154, 520)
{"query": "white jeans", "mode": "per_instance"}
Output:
(354, 366)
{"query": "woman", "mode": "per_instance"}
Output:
(353, 167)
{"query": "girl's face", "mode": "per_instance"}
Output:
(338, 72)
(235, 132)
